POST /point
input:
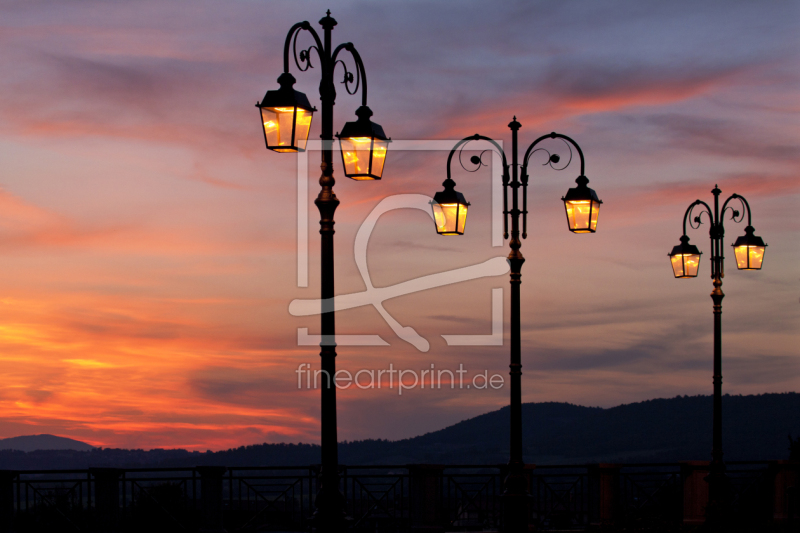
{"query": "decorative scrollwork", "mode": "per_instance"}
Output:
(303, 61)
(553, 159)
(697, 220)
(735, 215)
(349, 77)
(476, 160)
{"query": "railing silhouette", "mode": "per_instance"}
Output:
(667, 496)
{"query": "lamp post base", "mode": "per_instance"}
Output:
(515, 500)
(330, 515)
(717, 511)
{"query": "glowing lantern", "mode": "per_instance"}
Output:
(286, 117)
(582, 207)
(749, 250)
(449, 210)
(363, 146)
(685, 259)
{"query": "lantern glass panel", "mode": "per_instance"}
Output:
(379, 157)
(356, 155)
(462, 218)
(685, 265)
(749, 257)
(302, 127)
(450, 218)
(278, 128)
(582, 215)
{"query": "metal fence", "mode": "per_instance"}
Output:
(663, 496)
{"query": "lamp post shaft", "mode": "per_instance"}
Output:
(516, 260)
(515, 493)
(717, 479)
(329, 504)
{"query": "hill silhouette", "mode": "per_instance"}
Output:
(30, 443)
(754, 428)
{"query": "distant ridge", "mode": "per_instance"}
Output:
(31, 443)
(754, 428)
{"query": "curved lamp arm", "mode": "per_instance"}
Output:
(688, 216)
(361, 74)
(506, 178)
(735, 217)
(524, 173)
(552, 135)
(304, 54)
(477, 137)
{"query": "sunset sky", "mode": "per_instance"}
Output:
(149, 241)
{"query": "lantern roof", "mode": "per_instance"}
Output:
(684, 248)
(286, 96)
(581, 192)
(449, 195)
(363, 127)
(749, 239)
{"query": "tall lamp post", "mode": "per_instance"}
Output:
(286, 120)
(685, 258)
(450, 216)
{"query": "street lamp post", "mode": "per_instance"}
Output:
(685, 258)
(286, 120)
(450, 215)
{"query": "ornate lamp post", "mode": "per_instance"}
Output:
(450, 216)
(286, 118)
(685, 258)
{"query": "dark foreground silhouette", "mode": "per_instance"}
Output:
(659, 497)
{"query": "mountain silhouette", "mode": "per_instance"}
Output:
(30, 443)
(754, 428)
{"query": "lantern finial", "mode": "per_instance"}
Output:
(363, 112)
(286, 81)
